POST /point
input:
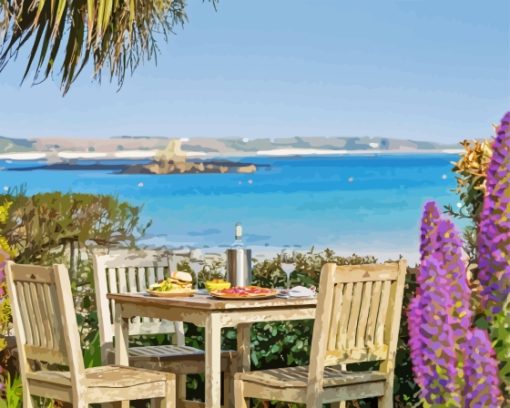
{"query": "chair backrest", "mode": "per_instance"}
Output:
(44, 317)
(127, 271)
(358, 315)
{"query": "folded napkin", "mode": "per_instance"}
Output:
(301, 291)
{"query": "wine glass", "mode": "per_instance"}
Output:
(288, 265)
(196, 263)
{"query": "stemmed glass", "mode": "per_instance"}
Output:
(288, 265)
(196, 263)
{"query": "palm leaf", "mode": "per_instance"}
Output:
(111, 34)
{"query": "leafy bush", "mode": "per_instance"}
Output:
(471, 171)
(5, 311)
(48, 227)
(12, 393)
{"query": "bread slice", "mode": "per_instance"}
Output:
(180, 276)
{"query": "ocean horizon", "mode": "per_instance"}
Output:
(368, 205)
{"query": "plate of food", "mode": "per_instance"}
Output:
(244, 292)
(178, 284)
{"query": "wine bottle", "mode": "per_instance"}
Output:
(238, 260)
(238, 236)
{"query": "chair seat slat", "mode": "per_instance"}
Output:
(298, 377)
(104, 376)
(165, 350)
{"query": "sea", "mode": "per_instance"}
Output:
(359, 204)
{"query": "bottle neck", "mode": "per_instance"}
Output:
(238, 236)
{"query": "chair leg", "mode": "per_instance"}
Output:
(386, 401)
(79, 403)
(227, 389)
(28, 402)
(240, 400)
(170, 399)
(181, 387)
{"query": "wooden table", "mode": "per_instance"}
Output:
(213, 314)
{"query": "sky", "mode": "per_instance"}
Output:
(430, 70)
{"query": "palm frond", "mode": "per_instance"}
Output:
(117, 35)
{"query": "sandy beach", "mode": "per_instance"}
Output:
(150, 154)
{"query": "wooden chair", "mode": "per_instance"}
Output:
(47, 332)
(357, 320)
(133, 271)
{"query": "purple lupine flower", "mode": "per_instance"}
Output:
(440, 324)
(429, 221)
(451, 257)
(481, 372)
(494, 227)
(433, 344)
(430, 218)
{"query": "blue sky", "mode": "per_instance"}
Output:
(419, 69)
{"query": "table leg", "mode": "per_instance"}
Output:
(121, 337)
(243, 362)
(121, 342)
(212, 361)
(243, 347)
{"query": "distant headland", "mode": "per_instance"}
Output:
(62, 150)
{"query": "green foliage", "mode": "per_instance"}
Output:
(500, 334)
(13, 392)
(406, 391)
(471, 171)
(42, 227)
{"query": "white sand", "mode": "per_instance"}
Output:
(23, 156)
(81, 155)
(149, 154)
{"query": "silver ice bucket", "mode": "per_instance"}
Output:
(239, 266)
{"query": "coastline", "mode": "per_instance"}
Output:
(150, 154)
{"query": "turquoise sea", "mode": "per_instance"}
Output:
(363, 204)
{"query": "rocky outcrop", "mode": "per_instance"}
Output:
(171, 167)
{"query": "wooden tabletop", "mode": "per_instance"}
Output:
(206, 302)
